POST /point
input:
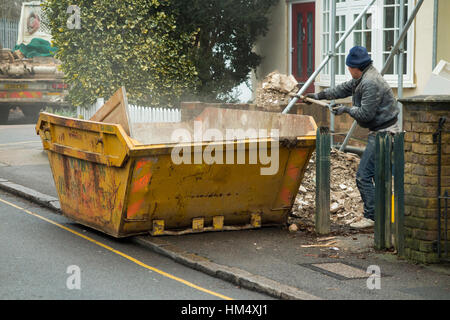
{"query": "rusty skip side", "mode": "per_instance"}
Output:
(110, 182)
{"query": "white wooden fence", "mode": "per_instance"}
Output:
(137, 114)
(149, 114)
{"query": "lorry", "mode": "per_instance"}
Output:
(30, 83)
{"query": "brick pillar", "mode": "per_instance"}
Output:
(421, 118)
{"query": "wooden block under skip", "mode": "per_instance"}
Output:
(218, 222)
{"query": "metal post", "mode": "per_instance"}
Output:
(379, 230)
(333, 61)
(446, 223)
(435, 31)
(388, 61)
(324, 62)
(322, 218)
(400, 65)
(348, 136)
(399, 190)
(387, 188)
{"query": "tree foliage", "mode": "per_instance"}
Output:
(131, 43)
(226, 34)
(160, 50)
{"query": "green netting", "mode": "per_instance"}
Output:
(36, 48)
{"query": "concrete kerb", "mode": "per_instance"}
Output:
(47, 201)
(234, 275)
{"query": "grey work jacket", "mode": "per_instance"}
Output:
(374, 105)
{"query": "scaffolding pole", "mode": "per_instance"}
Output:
(324, 62)
(332, 54)
(400, 65)
(435, 31)
(390, 59)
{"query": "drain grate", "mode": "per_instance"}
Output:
(338, 270)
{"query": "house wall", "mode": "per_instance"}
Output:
(275, 46)
(423, 48)
(443, 45)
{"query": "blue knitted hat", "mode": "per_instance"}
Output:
(358, 57)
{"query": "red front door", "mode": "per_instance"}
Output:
(303, 20)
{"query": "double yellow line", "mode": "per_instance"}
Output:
(124, 255)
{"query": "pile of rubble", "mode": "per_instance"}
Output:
(346, 205)
(275, 90)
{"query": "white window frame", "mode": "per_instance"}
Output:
(351, 7)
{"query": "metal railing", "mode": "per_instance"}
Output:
(441, 257)
(389, 195)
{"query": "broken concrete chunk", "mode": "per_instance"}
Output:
(293, 228)
(346, 205)
(275, 90)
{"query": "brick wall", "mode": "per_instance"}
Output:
(421, 118)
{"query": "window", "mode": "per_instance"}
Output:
(340, 30)
(378, 31)
(362, 34)
(325, 32)
(391, 16)
(340, 53)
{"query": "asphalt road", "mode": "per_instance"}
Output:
(35, 253)
(46, 256)
(23, 160)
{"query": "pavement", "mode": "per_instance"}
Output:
(272, 260)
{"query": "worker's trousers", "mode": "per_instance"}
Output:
(365, 178)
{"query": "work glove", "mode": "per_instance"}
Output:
(339, 109)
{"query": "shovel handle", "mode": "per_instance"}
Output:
(321, 103)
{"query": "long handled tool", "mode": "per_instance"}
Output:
(322, 103)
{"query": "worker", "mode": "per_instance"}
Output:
(373, 107)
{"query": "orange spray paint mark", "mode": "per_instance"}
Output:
(134, 208)
(140, 164)
(141, 183)
(293, 172)
(286, 196)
